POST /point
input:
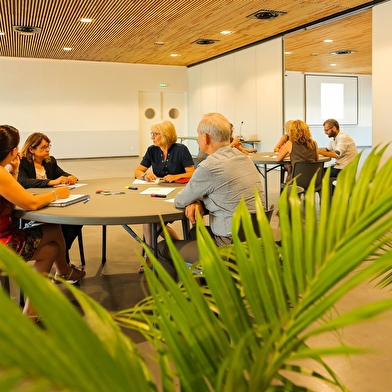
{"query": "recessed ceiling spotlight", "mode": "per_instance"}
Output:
(288, 52)
(2, 33)
(328, 40)
(266, 14)
(174, 55)
(67, 48)
(26, 30)
(332, 65)
(86, 20)
(159, 43)
(225, 32)
(344, 51)
(205, 41)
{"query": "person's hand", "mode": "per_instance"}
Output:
(170, 178)
(276, 149)
(14, 164)
(150, 176)
(72, 180)
(62, 192)
(60, 181)
(193, 210)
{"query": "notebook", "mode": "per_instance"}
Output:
(68, 201)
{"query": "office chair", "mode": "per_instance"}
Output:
(304, 172)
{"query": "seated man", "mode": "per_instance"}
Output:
(218, 184)
(341, 147)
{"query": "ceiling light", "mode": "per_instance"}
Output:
(328, 40)
(226, 32)
(205, 41)
(86, 20)
(332, 65)
(159, 43)
(287, 52)
(343, 51)
(266, 14)
(67, 49)
(2, 33)
(26, 30)
(174, 55)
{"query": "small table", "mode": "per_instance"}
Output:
(266, 161)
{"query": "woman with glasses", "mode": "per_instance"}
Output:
(44, 243)
(38, 169)
(164, 159)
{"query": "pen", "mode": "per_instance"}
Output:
(157, 195)
(132, 188)
(86, 201)
(71, 187)
(112, 193)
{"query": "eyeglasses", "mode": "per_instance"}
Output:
(47, 147)
(326, 130)
(154, 134)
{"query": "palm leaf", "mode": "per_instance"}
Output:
(76, 353)
(269, 300)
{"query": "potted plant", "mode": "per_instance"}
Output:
(248, 329)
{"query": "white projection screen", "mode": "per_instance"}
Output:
(331, 97)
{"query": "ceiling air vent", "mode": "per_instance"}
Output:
(344, 51)
(266, 14)
(205, 41)
(26, 30)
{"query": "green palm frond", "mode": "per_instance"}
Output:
(250, 327)
(266, 302)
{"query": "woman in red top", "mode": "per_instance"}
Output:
(45, 243)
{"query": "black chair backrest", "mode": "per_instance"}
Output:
(305, 172)
(255, 224)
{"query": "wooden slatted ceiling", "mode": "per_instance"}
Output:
(125, 30)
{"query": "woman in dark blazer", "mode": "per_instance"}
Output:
(40, 170)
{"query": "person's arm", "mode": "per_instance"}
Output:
(284, 138)
(284, 151)
(174, 177)
(57, 175)
(327, 153)
(317, 153)
(198, 187)
(14, 192)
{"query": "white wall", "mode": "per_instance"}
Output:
(295, 109)
(246, 87)
(382, 80)
(88, 109)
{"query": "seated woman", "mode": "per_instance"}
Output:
(40, 170)
(168, 160)
(45, 243)
(300, 145)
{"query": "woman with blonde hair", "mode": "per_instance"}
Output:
(164, 159)
(300, 146)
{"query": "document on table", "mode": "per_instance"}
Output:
(74, 186)
(157, 191)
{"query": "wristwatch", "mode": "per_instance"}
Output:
(143, 176)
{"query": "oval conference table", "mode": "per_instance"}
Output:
(266, 161)
(127, 208)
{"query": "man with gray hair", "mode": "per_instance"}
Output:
(216, 187)
(341, 147)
